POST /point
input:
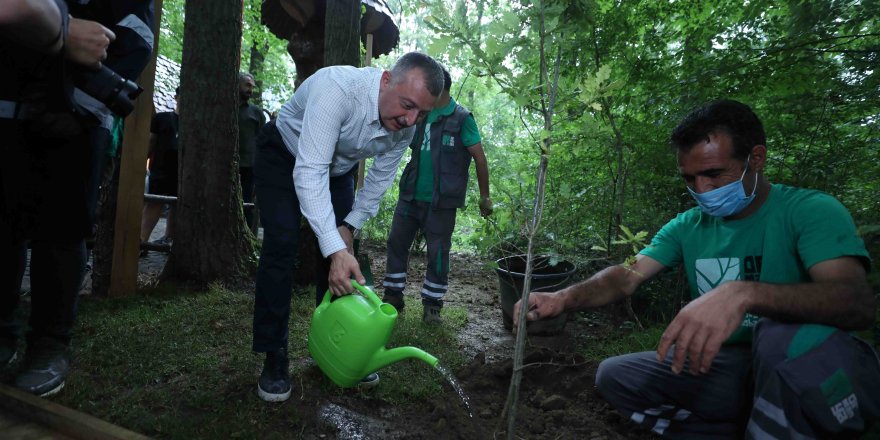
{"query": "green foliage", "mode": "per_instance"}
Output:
(276, 73)
(629, 73)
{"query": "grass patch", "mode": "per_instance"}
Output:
(178, 364)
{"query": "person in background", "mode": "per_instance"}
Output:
(250, 119)
(778, 280)
(444, 145)
(164, 156)
(305, 165)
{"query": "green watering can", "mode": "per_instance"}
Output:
(347, 337)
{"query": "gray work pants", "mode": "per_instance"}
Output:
(795, 382)
(437, 225)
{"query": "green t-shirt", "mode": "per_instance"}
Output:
(793, 230)
(470, 136)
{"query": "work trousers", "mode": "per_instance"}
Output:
(437, 225)
(795, 382)
(280, 217)
(46, 201)
(246, 175)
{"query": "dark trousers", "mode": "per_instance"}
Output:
(795, 382)
(437, 225)
(246, 174)
(280, 216)
(45, 200)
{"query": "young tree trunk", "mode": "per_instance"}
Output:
(212, 242)
(548, 102)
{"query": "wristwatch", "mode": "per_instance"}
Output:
(351, 228)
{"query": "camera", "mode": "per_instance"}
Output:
(107, 86)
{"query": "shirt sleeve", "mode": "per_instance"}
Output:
(825, 230)
(378, 179)
(326, 110)
(666, 246)
(470, 134)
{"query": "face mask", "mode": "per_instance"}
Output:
(727, 200)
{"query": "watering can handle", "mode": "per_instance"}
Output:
(364, 290)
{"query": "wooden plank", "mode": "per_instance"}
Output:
(60, 418)
(129, 203)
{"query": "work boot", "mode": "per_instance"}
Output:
(395, 299)
(46, 365)
(431, 313)
(8, 352)
(274, 383)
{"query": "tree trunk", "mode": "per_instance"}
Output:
(258, 57)
(212, 242)
(342, 30)
(342, 45)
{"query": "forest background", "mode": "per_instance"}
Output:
(628, 72)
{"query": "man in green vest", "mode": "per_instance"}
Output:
(433, 186)
(777, 276)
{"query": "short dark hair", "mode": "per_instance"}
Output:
(447, 80)
(243, 75)
(733, 117)
(430, 68)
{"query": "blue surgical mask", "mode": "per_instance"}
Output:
(727, 200)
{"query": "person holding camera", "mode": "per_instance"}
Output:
(61, 81)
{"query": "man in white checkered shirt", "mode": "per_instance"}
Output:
(306, 162)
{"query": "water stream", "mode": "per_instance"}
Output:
(453, 382)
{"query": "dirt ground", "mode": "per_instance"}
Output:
(557, 397)
(557, 400)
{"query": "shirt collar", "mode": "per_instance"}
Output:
(446, 111)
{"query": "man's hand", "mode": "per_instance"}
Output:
(343, 268)
(486, 206)
(703, 325)
(542, 305)
(87, 42)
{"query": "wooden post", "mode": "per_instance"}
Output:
(130, 201)
(363, 163)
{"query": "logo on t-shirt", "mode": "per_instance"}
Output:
(713, 272)
(426, 142)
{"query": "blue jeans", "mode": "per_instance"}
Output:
(280, 217)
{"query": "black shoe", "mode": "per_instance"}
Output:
(46, 365)
(395, 299)
(274, 383)
(8, 352)
(369, 380)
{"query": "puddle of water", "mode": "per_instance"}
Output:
(455, 386)
(350, 425)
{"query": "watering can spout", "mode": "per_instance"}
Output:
(385, 357)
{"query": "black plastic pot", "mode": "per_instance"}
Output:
(545, 278)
